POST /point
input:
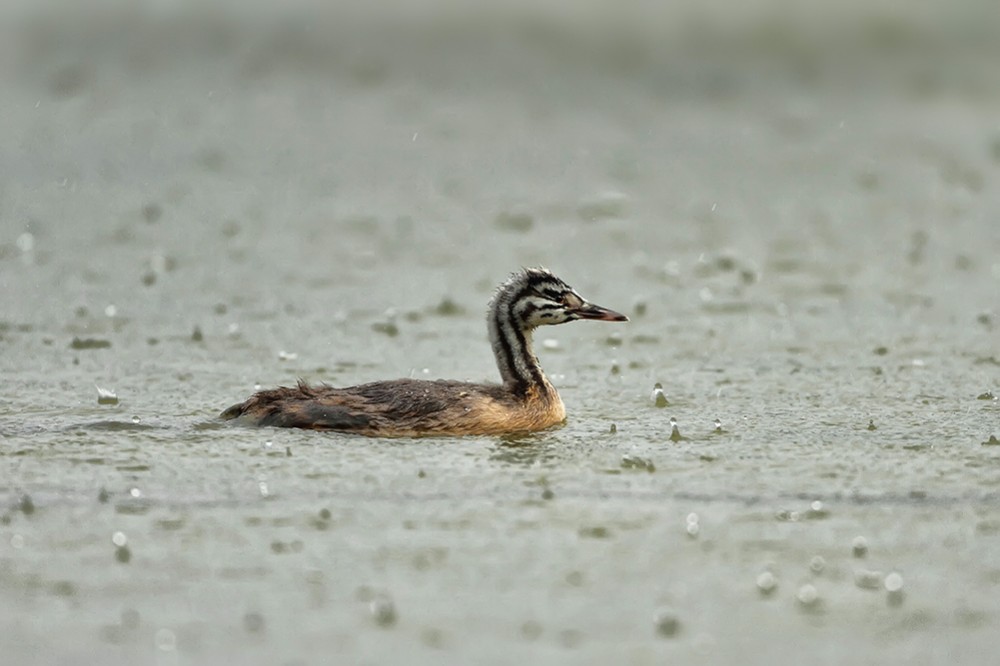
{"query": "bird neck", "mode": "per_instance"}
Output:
(519, 367)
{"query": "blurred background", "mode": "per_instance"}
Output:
(164, 158)
(445, 120)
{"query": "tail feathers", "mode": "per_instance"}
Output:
(232, 412)
(302, 407)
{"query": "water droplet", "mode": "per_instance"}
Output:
(658, 397)
(666, 622)
(630, 461)
(106, 396)
(26, 242)
(671, 270)
(383, 611)
(766, 582)
(894, 589)
(859, 546)
(692, 527)
(807, 596)
(119, 539)
(165, 640)
(867, 579)
(817, 510)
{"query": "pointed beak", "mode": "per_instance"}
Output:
(597, 313)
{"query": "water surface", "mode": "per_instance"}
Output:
(191, 206)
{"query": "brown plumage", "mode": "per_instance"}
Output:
(526, 401)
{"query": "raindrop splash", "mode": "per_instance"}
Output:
(658, 397)
(693, 527)
(766, 583)
(808, 596)
(383, 611)
(675, 431)
(667, 623)
(106, 396)
(893, 584)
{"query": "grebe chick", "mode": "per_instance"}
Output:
(526, 401)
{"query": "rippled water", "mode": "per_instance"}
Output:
(193, 206)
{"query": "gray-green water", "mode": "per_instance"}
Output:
(799, 213)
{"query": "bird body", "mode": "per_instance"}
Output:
(525, 402)
(404, 408)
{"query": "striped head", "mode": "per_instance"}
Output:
(535, 297)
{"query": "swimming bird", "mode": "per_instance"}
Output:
(525, 401)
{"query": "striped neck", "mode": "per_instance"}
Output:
(519, 367)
